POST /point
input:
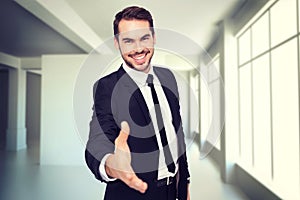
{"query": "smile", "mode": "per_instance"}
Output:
(139, 57)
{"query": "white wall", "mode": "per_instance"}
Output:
(60, 143)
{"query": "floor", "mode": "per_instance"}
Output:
(22, 178)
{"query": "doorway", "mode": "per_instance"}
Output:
(3, 105)
(33, 110)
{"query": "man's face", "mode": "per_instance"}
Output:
(136, 44)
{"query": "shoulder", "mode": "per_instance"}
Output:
(107, 82)
(108, 79)
(162, 69)
(163, 72)
(112, 78)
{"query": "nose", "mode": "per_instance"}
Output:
(138, 47)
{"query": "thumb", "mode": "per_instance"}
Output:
(123, 136)
(125, 127)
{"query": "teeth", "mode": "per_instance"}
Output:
(139, 57)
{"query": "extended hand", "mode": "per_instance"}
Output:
(118, 164)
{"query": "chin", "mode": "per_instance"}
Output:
(141, 67)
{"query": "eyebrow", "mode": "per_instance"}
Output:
(130, 39)
(146, 35)
(127, 39)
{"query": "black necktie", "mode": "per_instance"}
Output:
(161, 127)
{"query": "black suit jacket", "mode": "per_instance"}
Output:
(117, 98)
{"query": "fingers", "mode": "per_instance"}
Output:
(126, 174)
(134, 182)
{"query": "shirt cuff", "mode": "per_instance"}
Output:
(103, 171)
(188, 180)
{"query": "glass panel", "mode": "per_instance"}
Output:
(197, 94)
(205, 105)
(298, 14)
(285, 107)
(244, 48)
(214, 85)
(262, 118)
(260, 35)
(283, 21)
(194, 105)
(214, 69)
(245, 115)
(216, 132)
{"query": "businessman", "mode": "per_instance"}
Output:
(136, 141)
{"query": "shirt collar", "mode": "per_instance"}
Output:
(137, 76)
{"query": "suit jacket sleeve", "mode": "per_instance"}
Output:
(103, 129)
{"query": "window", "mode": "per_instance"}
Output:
(206, 103)
(245, 92)
(283, 21)
(194, 101)
(262, 154)
(269, 99)
(260, 35)
(205, 107)
(244, 47)
(285, 108)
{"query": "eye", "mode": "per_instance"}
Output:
(145, 38)
(127, 41)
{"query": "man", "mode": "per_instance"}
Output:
(136, 142)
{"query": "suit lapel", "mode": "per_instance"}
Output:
(134, 90)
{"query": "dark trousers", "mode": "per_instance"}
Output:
(118, 190)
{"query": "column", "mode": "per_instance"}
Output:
(228, 70)
(16, 131)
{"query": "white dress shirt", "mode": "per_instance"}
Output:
(140, 79)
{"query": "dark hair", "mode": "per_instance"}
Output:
(130, 13)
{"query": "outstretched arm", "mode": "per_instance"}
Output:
(118, 164)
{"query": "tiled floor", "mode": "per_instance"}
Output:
(21, 178)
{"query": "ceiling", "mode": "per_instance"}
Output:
(24, 35)
(196, 19)
(34, 28)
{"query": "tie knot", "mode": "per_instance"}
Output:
(149, 79)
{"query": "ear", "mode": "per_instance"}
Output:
(116, 43)
(154, 38)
